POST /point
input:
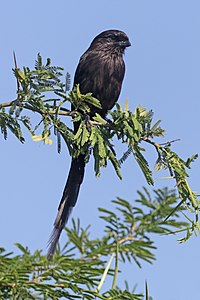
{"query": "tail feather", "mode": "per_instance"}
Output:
(68, 201)
(53, 241)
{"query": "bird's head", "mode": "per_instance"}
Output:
(111, 39)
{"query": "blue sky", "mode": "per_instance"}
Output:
(162, 73)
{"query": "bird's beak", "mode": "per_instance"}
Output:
(125, 43)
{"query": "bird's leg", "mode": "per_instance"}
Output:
(87, 122)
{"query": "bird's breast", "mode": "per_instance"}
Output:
(101, 73)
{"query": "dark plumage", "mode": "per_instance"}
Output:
(100, 71)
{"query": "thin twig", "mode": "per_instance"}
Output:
(16, 67)
(105, 273)
(116, 266)
(29, 107)
(170, 142)
(156, 145)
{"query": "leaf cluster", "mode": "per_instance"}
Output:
(80, 269)
(42, 91)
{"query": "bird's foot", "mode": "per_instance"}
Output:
(87, 122)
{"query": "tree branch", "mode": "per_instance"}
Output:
(64, 111)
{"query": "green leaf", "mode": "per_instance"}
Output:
(99, 119)
(144, 166)
(85, 135)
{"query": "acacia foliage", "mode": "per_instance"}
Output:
(42, 91)
(79, 270)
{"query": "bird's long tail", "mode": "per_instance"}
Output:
(68, 201)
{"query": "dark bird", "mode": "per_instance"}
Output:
(100, 71)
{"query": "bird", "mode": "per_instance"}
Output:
(100, 71)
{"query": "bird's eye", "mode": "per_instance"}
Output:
(112, 37)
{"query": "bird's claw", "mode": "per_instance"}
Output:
(87, 122)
